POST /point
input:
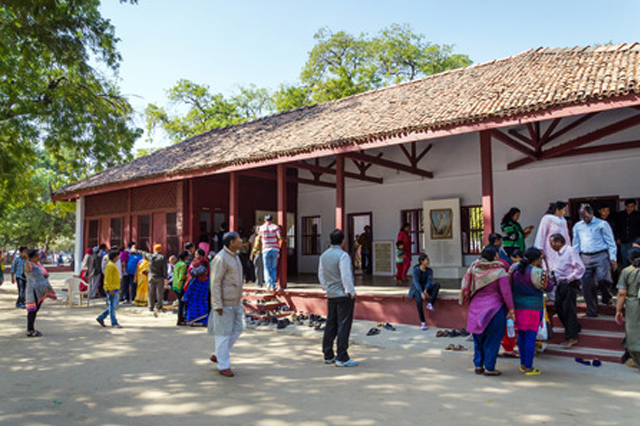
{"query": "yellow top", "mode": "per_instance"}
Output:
(111, 277)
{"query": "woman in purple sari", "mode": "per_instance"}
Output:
(486, 288)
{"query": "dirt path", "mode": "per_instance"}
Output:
(153, 373)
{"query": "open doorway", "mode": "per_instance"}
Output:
(360, 252)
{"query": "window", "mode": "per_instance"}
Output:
(414, 218)
(472, 229)
(173, 240)
(115, 239)
(93, 234)
(311, 235)
(144, 232)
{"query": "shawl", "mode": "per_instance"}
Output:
(480, 274)
(38, 288)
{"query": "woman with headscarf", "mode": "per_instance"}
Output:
(38, 288)
(628, 305)
(486, 289)
(196, 294)
(553, 222)
(529, 283)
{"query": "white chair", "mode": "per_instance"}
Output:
(73, 288)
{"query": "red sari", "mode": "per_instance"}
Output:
(403, 236)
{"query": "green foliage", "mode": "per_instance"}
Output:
(51, 98)
(289, 97)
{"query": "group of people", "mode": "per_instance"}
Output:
(509, 281)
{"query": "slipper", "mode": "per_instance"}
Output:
(534, 372)
(494, 373)
(454, 333)
(388, 326)
(373, 331)
(522, 369)
(464, 332)
(596, 363)
(451, 347)
(459, 348)
(442, 333)
(479, 370)
(583, 361)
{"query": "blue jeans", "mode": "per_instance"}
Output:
(624, 253)
(112, 304)
(128, 288)
(487, 344)
(270, 261)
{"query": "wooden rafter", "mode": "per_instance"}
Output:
(360, 156)
(272, 176)
(574, 146)
(513, 144)
(328, 170)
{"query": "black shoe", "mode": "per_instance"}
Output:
(101, 322)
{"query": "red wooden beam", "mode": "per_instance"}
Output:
(567, 147)
(602, 148)
(486, 166)
(593, 136)
(550, 129)
(524, 139)
(388, 164)
(292, 179)
(513, 144)
(340, 193)
(234, 199)
(424, 152)
(532, 134)
(282, 221)
(571, 126)
(322, 169)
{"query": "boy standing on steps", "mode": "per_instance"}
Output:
(111, 287)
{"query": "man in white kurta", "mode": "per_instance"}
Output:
(227, 314)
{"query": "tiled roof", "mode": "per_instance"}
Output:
(530, 81)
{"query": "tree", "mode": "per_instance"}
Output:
(341, 64)
(52, 98)
(204, 111)
(290, 97)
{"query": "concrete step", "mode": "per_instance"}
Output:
(609, 355)
(596, 339)
(603, 323)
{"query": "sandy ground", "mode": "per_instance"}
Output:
(153, 373)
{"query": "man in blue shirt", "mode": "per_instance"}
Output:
(129, 285)
(18, 276)
(593, 239)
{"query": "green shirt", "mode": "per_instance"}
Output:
(179, 275)
(514, 235)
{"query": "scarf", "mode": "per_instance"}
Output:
(480, 274)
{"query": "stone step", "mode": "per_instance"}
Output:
(602, 322)
(609, 355)
(596, 339)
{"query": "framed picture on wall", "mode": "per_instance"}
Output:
(441, 224)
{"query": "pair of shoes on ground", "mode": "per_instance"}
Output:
(455, 348)
(452, 333)
(347, 363)
(480, 371)
(101, 322)
(34, 333)
(596, 362)
(387, 326)
(226, 372)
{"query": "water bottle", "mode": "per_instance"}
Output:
(511, 328)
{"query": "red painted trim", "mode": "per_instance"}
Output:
(340, 193)
(388, 164)
(282, 221)
(517, 119)
(234, 200)
(487, 183)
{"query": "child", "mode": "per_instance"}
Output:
(399, 259)
(111, 287)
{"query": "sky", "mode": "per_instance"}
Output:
(228, 44)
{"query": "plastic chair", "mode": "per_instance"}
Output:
(73, 288)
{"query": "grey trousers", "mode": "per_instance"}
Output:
(597, 276)
(259, 267)
(156, 290)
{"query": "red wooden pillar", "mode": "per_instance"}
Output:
(234, 197)
(282, 221)
(340, 193)
(191, 213)
(487, 183)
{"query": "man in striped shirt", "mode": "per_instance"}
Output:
(270, 238)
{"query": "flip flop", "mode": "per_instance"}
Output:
(596, 363)
(534, 372)
(583, 361)
(388, 326)
(451, 347)
(373, 331)
(459, 348)
(494, 373)
(454, 333)
(442, 333)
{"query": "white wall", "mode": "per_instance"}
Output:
(455, 162)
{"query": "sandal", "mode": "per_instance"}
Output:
(373, 331)
(442, 333)
(451, 347)
(494, 373)
(459, 348)
(533, 372)
(479, 370)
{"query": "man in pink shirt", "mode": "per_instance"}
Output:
(568, 271)
(270, 238)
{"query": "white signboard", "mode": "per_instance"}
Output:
(442, 240)
(384, 258)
